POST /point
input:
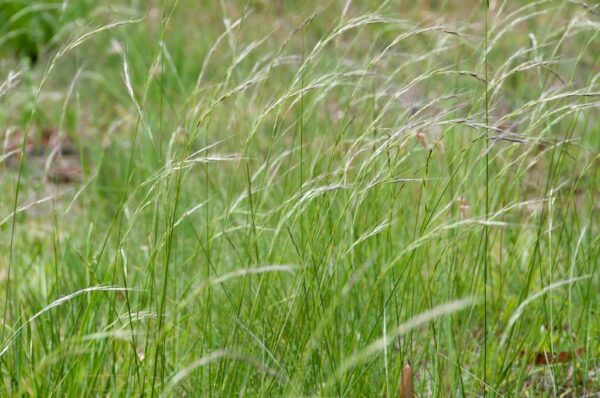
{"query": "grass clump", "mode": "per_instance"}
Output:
(256, 198)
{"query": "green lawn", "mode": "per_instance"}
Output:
(299, 198)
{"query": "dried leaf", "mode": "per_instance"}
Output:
(547, 358)
(406, 385)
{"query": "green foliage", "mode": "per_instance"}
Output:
(27, 27)
(299, 207)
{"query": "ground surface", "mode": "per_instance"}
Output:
(281, 198)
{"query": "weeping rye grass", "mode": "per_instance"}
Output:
(300, 198)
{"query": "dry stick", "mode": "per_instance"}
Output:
(406, 385)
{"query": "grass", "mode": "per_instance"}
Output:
(300, 198)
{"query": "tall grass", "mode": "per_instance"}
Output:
(300, 199)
